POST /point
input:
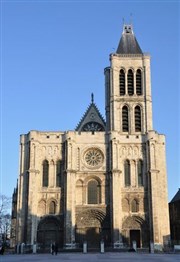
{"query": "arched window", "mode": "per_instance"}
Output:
(134, 206)
(45, 173)
(58, 173)
(125, 119)
(137, 116)
(138, 82)
(130, 78)
(52, 208)
(122, 82)
(140, 173)
(127, 173)
(93, 192)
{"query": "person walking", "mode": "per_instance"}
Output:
(56, 248)
(52, 248)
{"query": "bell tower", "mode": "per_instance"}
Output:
(136, 153)
(128, 87)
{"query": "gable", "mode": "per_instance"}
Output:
(92, 121)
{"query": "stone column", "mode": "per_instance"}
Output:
(116, 202)
(70, 207)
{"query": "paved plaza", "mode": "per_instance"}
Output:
(96, 257)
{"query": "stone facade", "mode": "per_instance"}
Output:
(105, 180)
(174, 212)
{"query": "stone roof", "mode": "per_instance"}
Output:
(176, 197)
(128, 43)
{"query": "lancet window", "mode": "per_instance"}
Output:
(130, 78)
(138, 82)
(125, 119)
(140, 172)
(45, 173)
(127, 173)
(122, 82)
(137, 116)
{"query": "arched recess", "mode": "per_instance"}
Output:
(41, 208)
(138, 118)
(50, 229)
(134, 206)
(52, 207)
(130, 78)
(92, 225)
(79, 192)
(93, 192)
(122, 82)
(59, 164)
(127, 173)
(135, 228)
(125, 118)
(138, 82)
(92, 185)
(45, 178)
(140, 172)
(125, 205)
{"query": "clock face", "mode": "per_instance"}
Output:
(93, 157)
(93, 126)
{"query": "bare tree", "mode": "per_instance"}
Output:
(5, 217)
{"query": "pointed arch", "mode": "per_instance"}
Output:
(127, 173)
(125, 119)
(122, 82)
(130, 78)
(45, 180)
(138, 82)
(137, 117)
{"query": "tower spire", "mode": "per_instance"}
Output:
(128, 43)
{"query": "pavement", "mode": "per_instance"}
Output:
(89, 257)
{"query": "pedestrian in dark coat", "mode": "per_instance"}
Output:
(56, 248)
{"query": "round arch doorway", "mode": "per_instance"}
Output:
(49, 230)
(92, 226)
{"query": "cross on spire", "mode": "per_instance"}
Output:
(92, 98)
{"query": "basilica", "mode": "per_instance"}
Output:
(106, 180)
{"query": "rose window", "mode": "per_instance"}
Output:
(93, 157)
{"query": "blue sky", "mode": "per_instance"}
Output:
(53, 55)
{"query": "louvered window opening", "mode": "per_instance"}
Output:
(140, 173)
(93, 192)
(45, 173)
(127, 174)
(130, 83)
(138, 83)
(122, 82)
(137, 119)
(125, 120)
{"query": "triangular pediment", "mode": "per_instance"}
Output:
(92, 121)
